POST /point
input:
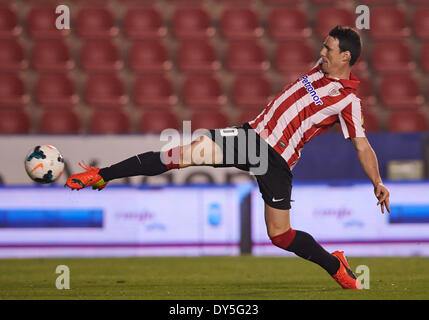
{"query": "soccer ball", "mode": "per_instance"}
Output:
(44, 164)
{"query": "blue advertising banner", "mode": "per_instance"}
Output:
(51, 218)
(409, 214)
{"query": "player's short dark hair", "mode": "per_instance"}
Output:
(349, 40)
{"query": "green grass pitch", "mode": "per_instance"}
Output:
(206, 278)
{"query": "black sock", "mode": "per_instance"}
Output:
(147, 164)
(304, 246)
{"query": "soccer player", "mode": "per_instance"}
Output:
(306, 108)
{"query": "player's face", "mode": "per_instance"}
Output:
(331, 55)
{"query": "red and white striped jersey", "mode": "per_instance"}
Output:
(308, 107)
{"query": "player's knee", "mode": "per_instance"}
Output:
(203, 151)
(277, 220)
(284, 239)
(273, 232)
(276, 227)
(185, 160)
(186, 156)
(217, 154)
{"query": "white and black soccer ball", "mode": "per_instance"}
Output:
(44, 164)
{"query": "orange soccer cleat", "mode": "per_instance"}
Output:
(88, 178)
(344, 276)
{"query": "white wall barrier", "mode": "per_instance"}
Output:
(119, 221)
(347, 218)
(131, 221)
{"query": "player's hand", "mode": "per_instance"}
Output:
(382, 195)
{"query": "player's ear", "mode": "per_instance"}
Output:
(346, 56)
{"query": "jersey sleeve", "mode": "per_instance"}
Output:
(351, 120)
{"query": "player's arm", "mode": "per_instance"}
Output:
(369, 162)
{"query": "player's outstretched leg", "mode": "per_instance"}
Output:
(203, 151)
(303, 245)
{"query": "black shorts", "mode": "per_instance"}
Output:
(244, 149)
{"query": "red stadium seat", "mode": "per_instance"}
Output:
(249, 114)
(51, 55)
(251, 91)
(100, 56)
(157, 120)
(109, 121)
(329, 2)
(388, 23)
(91, 2)
(228, 2)
(377, 2)
(360, 68)
(240, 23)
(327, 18)
(280, 2)
(197, 56)
(12, 57)
(140, 2)
(366, 93)
(96, 22)
(424, 57)
(154, 91)
(9, 26)
(56, 90)
(370, 122)
(192, 23)
(12, 91)
(188, 2)
(246, 56)
(294, 57)
(41, 23)
(407, 121)
(288, 23)
(98, 2)
(44, 2)
(208, 120)
(421, 23)
(149, 56)
(333, 2)
(392, 57)
(59, 121)
(105, 90)
(144, 23)
(14, 121)
(201, 91)
(400, 91)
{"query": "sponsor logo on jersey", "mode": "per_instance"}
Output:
(310, 89)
